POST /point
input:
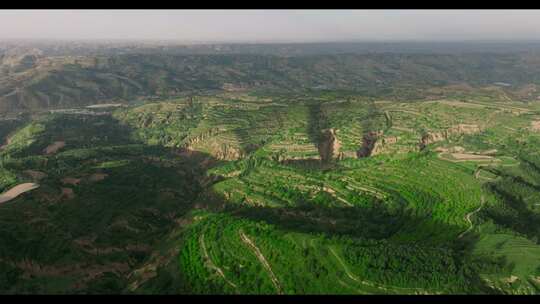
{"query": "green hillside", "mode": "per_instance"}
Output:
(277, 171)
(32, 82)
(330, 193)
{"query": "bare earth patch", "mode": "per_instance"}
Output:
(457, 149)
(511, 279)
(441, 149)
(16, 191)
(67, 193)
(461, 104)
(460, 157)
(489, 152)
(6, 143)
(535, 126)
(54, 147)
(71, 181)
(466, 156)
(96, 177)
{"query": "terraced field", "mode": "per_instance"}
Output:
(419, 172)
(240, 256)
(292, 194)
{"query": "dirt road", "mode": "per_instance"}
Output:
(468, 217)
(263, 261)
(386, 288)
(16, 191)
(211, 264)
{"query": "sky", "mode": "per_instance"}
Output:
(271, 25)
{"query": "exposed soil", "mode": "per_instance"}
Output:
(461, 157)
(54, 147)
(67, 193)
(16, 191)
(96, 177)
(535, 126)
(459, 129)
(511, 279)
(467, 156)
(489, 152)
(368, 143)
(6, 143)
(71, 181)
(329, 145)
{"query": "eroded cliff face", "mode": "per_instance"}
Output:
(226, 152)
(431, 137)
(208, 142)
(382, 144)
(374, 142)
(460, 129)
(329, 146)
(201, 137)
(368, 144)
(220, 151)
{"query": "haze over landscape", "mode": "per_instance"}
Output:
(272, 25)
(270, 152)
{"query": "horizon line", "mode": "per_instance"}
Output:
(270, 41)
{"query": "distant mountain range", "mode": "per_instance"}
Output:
(33, 78)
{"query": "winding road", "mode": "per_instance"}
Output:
(262, 259)
(211, 264)
(468, 217)
(386, 288)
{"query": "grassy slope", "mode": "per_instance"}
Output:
(348, 226)
(297, 196)
(88, 241)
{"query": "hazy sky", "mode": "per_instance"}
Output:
(272, 25)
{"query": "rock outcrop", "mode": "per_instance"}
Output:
(382, 144)
(201, 137)
(368, 144)
(329, 146)
(226, 152)
(460, 129)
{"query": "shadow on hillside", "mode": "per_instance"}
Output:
(375, 223)
(112, 217)
(515, 215)
(317, 121)
(141, 203)
(78, 131)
